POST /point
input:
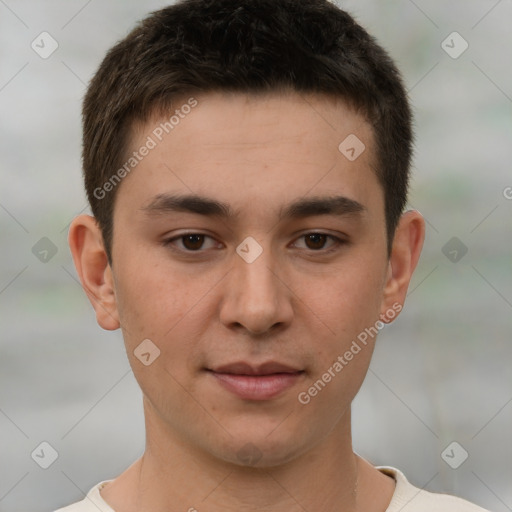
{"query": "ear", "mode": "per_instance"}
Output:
(91, 262)
(405, 253)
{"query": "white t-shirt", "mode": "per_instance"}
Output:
(406, 498)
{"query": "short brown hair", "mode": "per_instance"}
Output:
(246, 46)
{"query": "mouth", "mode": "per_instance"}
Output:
(261, 382)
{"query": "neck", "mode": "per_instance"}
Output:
(174, 475)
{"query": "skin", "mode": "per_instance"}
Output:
(295, 304)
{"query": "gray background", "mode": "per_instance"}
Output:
(441, 372)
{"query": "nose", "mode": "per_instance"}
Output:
(257, 297)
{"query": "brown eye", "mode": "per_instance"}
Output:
(192, 242)
(315, 240)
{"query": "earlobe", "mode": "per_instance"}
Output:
(405, 253)
(94, 271)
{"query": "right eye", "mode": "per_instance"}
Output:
(187, 242)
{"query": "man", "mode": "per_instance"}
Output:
(247, 165)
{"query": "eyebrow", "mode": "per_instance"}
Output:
(305, 207)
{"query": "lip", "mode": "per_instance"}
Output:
(261, 382)
(243, 368)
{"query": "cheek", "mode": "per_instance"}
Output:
(149, 297)
(165, 306)
(347, 300)
(349, 309)
(156, 305)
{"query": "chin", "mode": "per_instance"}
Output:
(260, 451)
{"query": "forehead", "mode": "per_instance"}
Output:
(241, 148)
(256, 120)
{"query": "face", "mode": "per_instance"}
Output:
(248, 304)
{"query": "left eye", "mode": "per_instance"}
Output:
(316, 241)
(193, 242)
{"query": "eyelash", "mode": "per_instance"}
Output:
(338, 242)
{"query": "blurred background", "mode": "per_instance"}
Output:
(437, 401)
